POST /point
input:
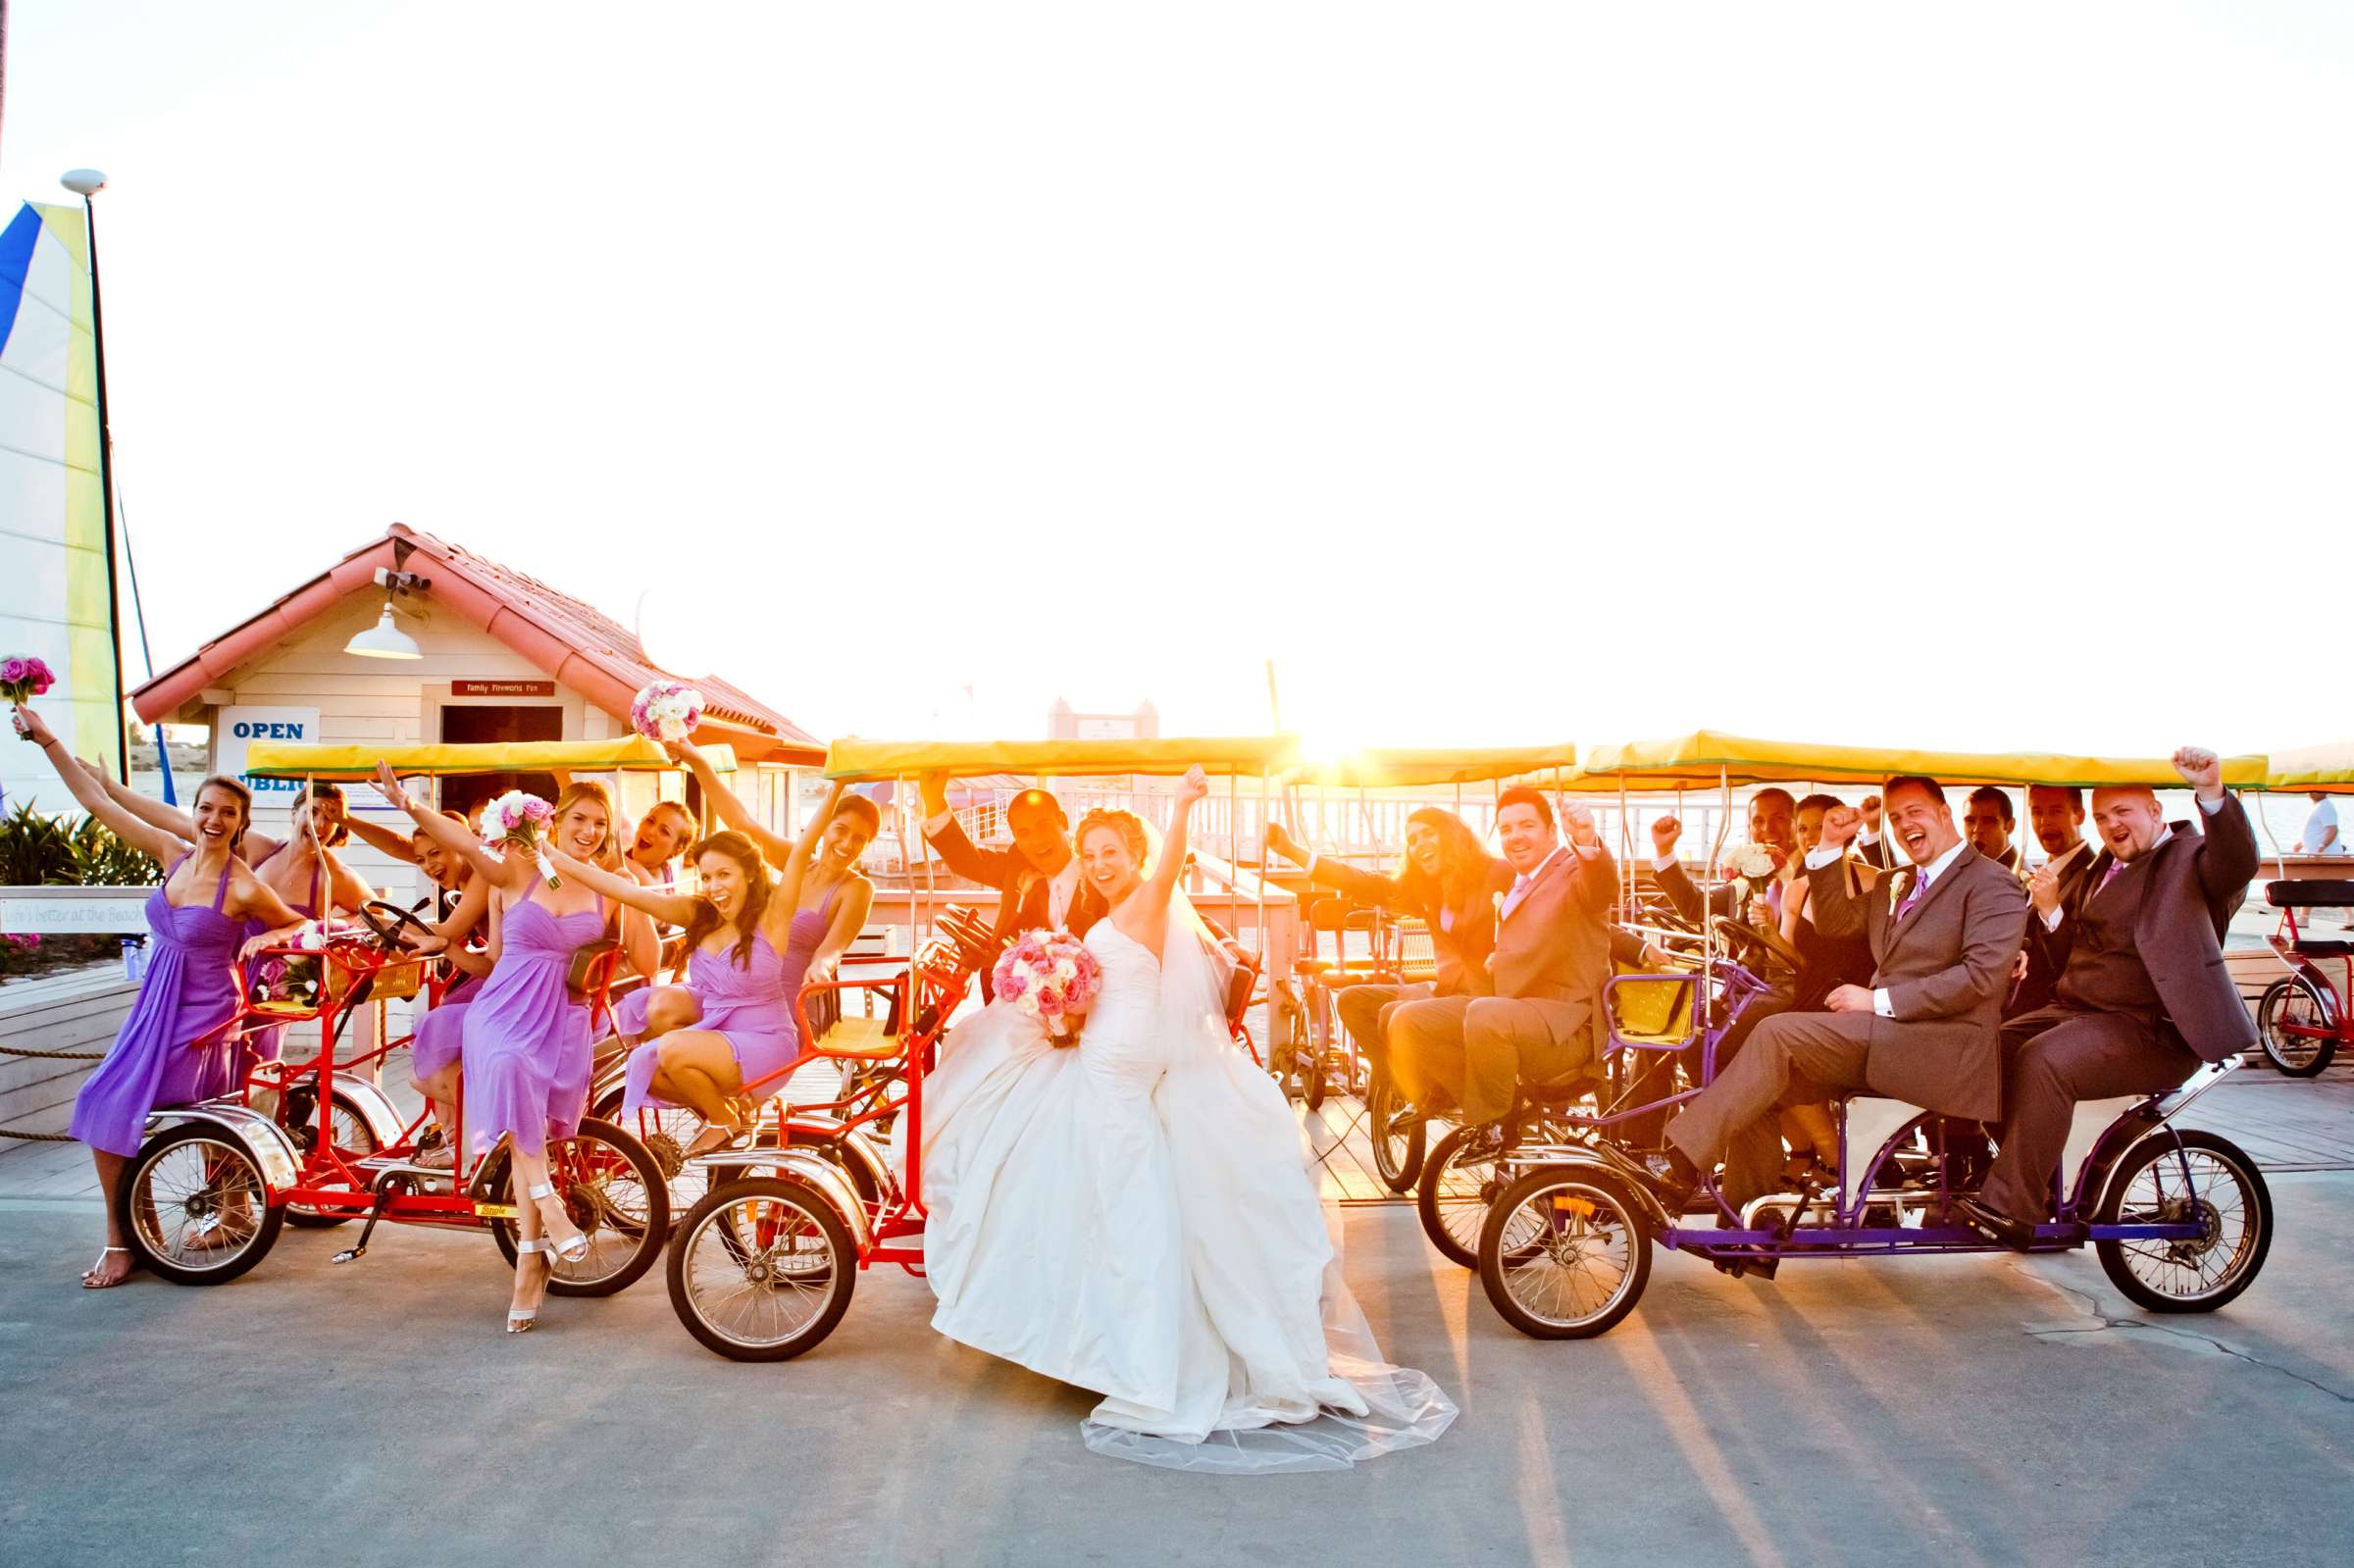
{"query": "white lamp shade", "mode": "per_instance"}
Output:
(384, 640)
(82, 182)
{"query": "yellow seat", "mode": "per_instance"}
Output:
(864, 1039)
(1651, 1012)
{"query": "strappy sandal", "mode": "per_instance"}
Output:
(728, 1136)
(571, 1252)
(522, 1320)
(89, 1276)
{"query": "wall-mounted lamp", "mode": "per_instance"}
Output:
(384, 640)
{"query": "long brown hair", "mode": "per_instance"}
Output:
(1462, 864)
(756, 891)
(236, 787)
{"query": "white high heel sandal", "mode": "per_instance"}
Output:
(523, 1322)
(570, 1252)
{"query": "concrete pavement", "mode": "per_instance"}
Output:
(1949, 1410)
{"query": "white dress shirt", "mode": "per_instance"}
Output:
(1928, 875)
(1063, 888)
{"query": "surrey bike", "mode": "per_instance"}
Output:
(309, 1141)
(763, 1266)
(2181, 1219)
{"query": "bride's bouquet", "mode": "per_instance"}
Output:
(22, 676)
(1752, 867)
(1052, 977)
(666, 711)
(518, 817)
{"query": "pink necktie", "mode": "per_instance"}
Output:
(2110, 875)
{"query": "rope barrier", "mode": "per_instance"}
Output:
(39, 1137)
(53, 1056)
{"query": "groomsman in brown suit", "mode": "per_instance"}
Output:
(1038, 880)
(1944, 932)
(2143, 996)
(1552, 957)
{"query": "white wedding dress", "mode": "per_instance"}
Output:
(1134, 1216)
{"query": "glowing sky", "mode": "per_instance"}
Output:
(1970, 377)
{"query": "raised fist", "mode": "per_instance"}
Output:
(1579, 822)
(1194, 785)
(1665, 831)
(2202, 769)
(1840, 824)
(1872, 812)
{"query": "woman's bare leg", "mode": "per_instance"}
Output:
(114, 1267)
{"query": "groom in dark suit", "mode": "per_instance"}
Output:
(1944, 932)
(1038, 880)
(2143, 996)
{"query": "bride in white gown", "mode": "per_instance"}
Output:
(1134, 1215)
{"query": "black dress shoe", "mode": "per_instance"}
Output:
(1996, 1227)
(1670, 1177)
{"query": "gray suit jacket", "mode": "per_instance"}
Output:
(2196, 883)
(1554, 949)
(1946, 968)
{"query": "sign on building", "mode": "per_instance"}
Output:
(235, 732)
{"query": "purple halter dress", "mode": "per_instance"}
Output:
(190, 988)
(750, 1008)
(525, 1045)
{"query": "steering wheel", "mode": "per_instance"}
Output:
(386, 921)
(1741, 934)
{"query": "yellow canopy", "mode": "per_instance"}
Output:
(1249, 755)
(1419, 767)
(2327, 768)
(1698, 761)
(631, 753)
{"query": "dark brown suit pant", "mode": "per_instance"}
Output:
(2057, 1056)
(1828, 1050)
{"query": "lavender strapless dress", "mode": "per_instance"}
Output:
(750, 1008)
(190, 989)
(525, 1041)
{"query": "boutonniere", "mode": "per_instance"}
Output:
(1499, 901)
(1900, 887)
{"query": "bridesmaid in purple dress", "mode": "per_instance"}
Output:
(298, 869)
(524, 1053)
(731, 1027)
(197, 921)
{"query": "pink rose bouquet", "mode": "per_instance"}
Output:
(1050, 976)
(518, 817)
(666, 711)
(22, 676)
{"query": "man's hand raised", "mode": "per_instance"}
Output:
(1840, 824)
(2202, 769)
(1665, 831)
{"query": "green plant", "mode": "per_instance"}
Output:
(34, 849)
(103, 860)
(38, 850)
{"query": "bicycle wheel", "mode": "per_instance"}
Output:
(1451, 1195)
(2207, 1179)
(354, 1141)
(612, 1189)
(1399, 1135)
(2296, 1022)
(194, 1207)
(762, 1270)
(668, 1132)
(1564, 1253)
